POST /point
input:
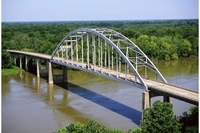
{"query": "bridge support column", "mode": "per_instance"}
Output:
(38, 67)
(167, 99)
(50, 73)
(146, 100)
(26, 62)
(20, 62)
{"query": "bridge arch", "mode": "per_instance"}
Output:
(86, 42)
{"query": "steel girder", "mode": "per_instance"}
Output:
(113, 39)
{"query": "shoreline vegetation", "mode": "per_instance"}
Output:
(10, 71)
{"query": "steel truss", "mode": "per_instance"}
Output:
(107, 53)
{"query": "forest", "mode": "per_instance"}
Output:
(158, 39)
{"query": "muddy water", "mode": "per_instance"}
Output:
(30, 105)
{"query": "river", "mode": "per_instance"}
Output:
(30, 105)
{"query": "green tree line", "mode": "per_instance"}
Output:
(163, 40)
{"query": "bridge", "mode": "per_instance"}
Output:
(110, 54)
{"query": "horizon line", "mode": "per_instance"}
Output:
(24, 21)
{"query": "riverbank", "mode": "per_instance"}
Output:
(10, 71)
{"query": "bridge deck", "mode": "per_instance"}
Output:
(177, 92)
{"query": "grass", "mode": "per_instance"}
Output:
(10, 71)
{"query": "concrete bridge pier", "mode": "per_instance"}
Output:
(167, 99)
(38, 67)
(146, 98)
(61, 78)
(41, 72)
(50, 73)
(20, 62)
(26, 63)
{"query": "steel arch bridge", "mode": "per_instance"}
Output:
(107, 53)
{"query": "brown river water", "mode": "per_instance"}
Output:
(30, 105)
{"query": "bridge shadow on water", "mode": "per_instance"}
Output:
(104, 101)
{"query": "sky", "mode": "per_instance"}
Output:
(86, 10)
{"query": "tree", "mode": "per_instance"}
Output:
(6, 60)
(194, 44)
(185, 48)
(160, 119)
(165, 51)
(152, 49)
(90, 127)
(190, 120)
(142, 42)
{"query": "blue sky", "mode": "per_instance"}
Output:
(73, 10)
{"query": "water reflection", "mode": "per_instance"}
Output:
(177, 67)
(58, 99)
(51, 93)
(184, 66)
(56, 96)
